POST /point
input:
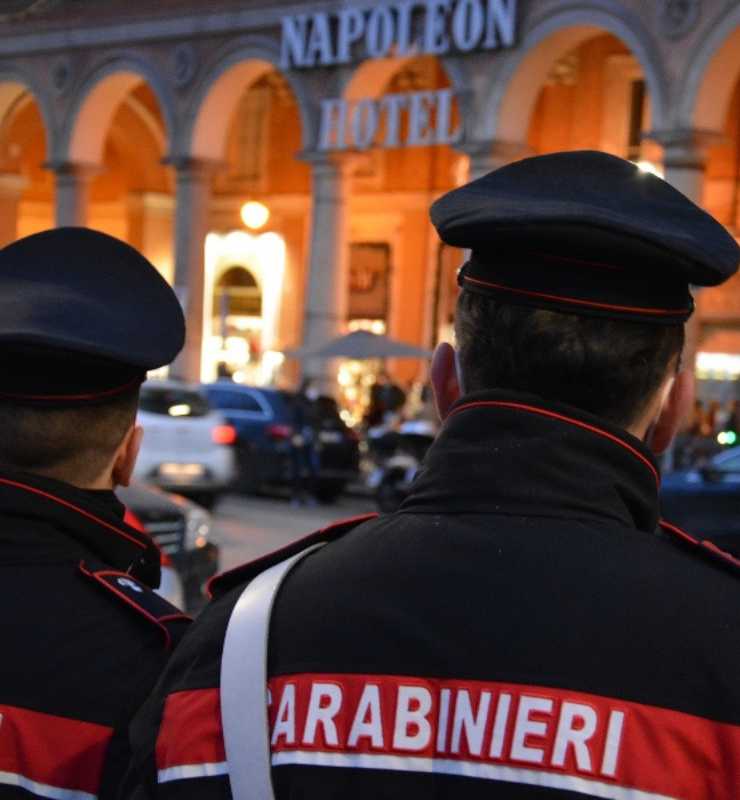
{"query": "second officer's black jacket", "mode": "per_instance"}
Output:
(521, 628)
(84, 638)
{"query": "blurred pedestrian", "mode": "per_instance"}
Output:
(303, 452)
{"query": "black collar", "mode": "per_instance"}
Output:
(501, 452)
(92, 519)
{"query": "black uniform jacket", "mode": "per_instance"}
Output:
(83, 637)
(520, 628)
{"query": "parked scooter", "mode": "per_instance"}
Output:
(391, 480)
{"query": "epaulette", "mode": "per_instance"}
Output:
(140, 598)
(702, 547)
(219, 584)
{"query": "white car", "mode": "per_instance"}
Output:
(187, 446)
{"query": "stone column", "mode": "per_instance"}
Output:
(327, 279)
(192, 209)
(11, 187)
(684, 158)
(150, 228)
(72, 192)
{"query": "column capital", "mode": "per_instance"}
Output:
(685, 148)
(72, 170)
(193, 168)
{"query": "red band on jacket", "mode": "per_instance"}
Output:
(39, 752)
(530, 735)
(190, 742)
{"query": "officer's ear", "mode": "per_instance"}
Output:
(445, 381)
(128, 452)
(674, 411)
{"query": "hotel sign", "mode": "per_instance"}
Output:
(398, 29)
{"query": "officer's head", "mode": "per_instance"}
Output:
(83, 316)
(577, 288)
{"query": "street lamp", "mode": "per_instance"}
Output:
(255, 215)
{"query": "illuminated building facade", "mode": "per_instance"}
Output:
(157, 122)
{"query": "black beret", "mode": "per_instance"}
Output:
(587, 233)
(83, 316)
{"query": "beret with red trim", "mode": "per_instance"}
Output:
(83, 316)
(588, 233)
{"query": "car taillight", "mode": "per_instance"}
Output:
(224, 434)
(279, 432)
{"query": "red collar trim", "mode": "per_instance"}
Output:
(33, 490)
(553, 415)
(658, 312)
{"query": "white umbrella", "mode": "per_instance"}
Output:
(362, 345)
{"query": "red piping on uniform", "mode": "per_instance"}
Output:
(71, 397)
(171, 617)
(678, 531)
(575, 301)
(66, 504)
(543, 412)
(98, 576)
(705, 543)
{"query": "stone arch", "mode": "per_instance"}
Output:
(707, 85)
(14, 85)
(98, 98)
(506, 109)
(216, 97)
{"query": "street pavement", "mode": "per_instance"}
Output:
(246, 526)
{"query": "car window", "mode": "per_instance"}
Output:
(173, 402)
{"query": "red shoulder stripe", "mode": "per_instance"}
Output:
(705, 544)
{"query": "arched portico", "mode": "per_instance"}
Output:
(505, 110)
(704, 91)
(25, 131)
(211, 108)
(97, 100)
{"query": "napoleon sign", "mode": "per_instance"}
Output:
(403, 28)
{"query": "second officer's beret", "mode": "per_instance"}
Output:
(83, 316)
(587, 233)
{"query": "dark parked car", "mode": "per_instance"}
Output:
(266, 424)
(182, 530)
(706, 501)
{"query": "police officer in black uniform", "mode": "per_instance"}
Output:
(83, 316)
(525, 626)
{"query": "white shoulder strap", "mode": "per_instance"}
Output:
(244, 683)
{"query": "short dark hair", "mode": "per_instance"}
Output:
(71, 444)
(608, 367)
